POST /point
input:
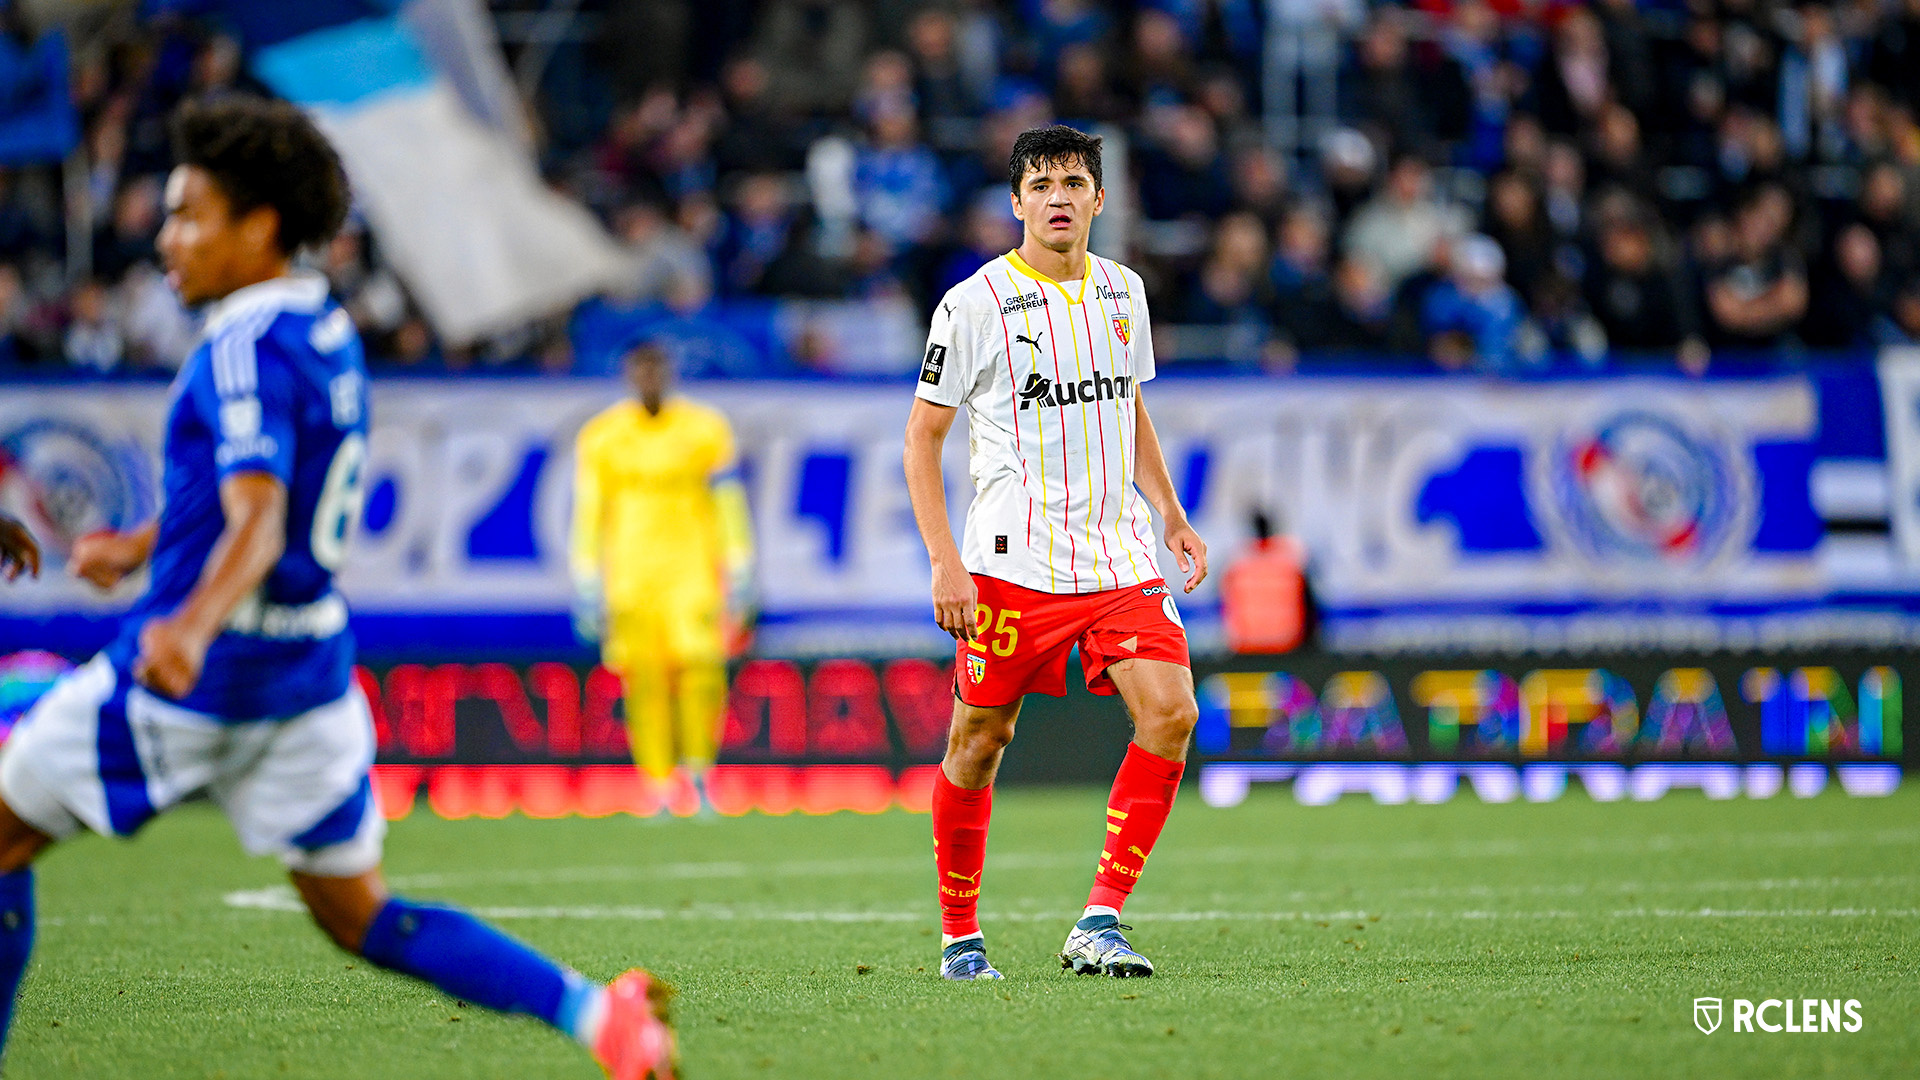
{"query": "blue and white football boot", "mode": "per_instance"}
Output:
(1095, 946)
(966, 960)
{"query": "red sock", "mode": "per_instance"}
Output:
(960, 852)
(1142, 797)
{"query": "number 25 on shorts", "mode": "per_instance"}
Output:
(1009, 635)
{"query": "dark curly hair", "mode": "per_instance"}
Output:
(266, 153)
(1043, 148)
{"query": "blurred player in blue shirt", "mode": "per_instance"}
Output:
(232, 676)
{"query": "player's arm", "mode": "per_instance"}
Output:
(18, 553)
(173, 648)
(583, 547)
(954, 593)
(103, 558)
(1150, 475)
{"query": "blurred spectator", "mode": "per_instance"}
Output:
(1304, 307)
(1396, 231)
(1515, 220)
(1893, 58)
(159, 332)
(1643, 304)
(371, 293)
(1260, 183)
(1406, 102)
(1575, 83)
(756, 136)
(1347, 164)
(1849, 292)
(754, 236)
(129, 235)
(1617, 155)
(949, 104)
(1083, 93)
(1901, 324)
(1886, 210)
(898, 183)
(990, 231)
(1183, 173)
(1473, 318)
(13, 317)
(92, 340)
(1564, 197)
(1813, 84)
(1233, 289)
(1161, 72)
(1758, 295)
(670, 265)
(812, 51)
(1363, 309)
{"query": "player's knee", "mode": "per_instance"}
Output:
(1172, 717)
(981, 738)
(980, 735)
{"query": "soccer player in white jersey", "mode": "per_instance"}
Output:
(1047, 347)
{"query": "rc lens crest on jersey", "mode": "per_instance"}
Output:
(1123, 328)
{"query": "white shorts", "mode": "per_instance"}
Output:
(101, 753)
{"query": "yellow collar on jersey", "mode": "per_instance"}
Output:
(1020, 264)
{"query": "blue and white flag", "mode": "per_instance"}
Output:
(455, 198)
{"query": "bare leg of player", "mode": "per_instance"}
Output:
(624, 1024)
(962, 807)
(1159, 696)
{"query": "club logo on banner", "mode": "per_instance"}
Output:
(1706, 1015)
(1641, 488)
(67, 478)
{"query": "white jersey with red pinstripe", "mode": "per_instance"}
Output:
(1048, 374)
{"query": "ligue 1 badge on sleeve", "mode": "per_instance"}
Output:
(1706, 1015)
(1123, 328)
(976, 668)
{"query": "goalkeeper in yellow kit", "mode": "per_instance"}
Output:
(662, 562)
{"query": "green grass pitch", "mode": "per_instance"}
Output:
(1566, 940)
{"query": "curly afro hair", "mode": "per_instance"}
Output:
(1043, 148)
(266, 153)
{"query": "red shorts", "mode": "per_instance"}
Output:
(1025, 637)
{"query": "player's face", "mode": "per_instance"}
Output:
(1059, 204)
(650, 376)
(208, 251)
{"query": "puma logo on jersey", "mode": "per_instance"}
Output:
(1023, 302)
(1033, 341)
(1041, 390)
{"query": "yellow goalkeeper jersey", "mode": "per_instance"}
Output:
(654, 503)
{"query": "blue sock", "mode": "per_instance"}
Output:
(469, 960)
(16, 940)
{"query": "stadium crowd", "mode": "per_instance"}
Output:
(1499, 186)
